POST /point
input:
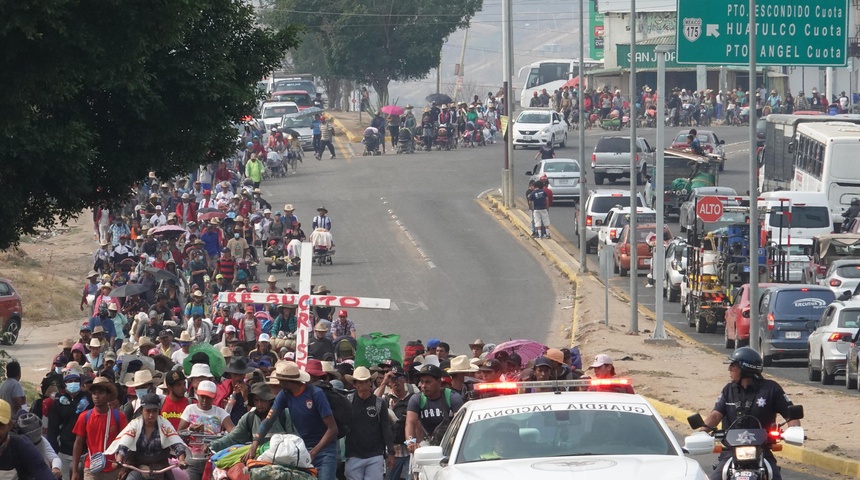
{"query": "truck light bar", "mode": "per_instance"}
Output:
(510, 386)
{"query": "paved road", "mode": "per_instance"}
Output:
(736, 175)
(409, 228)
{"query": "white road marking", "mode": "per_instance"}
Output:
(409, 236)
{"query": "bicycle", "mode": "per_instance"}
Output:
(149, 473)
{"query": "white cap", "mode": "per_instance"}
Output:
(229, 328)
(200, 370)
(601, 360)
(206, 388)
(264, 337)
(290, 356)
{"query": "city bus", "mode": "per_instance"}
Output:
(825, 160)
(775, 161)
(551, 75)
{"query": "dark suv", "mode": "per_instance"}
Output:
(11, 311)
(787, 315)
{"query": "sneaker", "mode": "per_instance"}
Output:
(534, 235)
(332, 156)
(649, 285)
(546, 236)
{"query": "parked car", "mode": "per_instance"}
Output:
(597, 205)
(623, 249)
(301, 125)
(709, 142)
(852, 362)
(676, 269)
(535, 127)
(687, 215)
(618, 218)
(827, 249)
(272, 112)
(737, 332)
(563, 176)
(11, 312)
(842, 276)
(787, 315)
(827, 346)
(611, 159)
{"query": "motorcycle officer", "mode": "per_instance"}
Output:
(747, 400)
(852, 211)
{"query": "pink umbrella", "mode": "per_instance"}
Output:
(395, 110)
(167, 229)
(528, 350)
(573, 82)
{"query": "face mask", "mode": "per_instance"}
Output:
(73, 387)
(141, 392)
(236, 235)
(58, 369)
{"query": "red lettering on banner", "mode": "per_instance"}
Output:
(350, 301)
(324, 300)
(246, 297)
(301, 349)
(273, 298)
(231, 297)
(289, 299)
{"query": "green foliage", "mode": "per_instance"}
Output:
(373, 41)
(96, 94)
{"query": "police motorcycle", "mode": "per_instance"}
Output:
(747, 445)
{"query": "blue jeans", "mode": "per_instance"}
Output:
(326, 462)
(400, 463)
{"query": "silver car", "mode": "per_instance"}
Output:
(302, 126)
(842, 275)
(676, 268)
(562, 174)
(595, 208)
(828, 344)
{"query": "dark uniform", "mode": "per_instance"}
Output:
(762, 400)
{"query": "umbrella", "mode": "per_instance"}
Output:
(129, 290)
(395, 110)
(439, 98)
(205, 217)
(308, 112)
(161, 274)
(163, 363)
(167, 229)
(216, 360)
(128, 358)
(528, 350)
(571, 83)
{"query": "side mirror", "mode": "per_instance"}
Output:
(699, 443)
(794, 435)
(682, 271)
(529, 173)
(795, 412)
(555, 122)
(722, 142)
(791, 147)
(696, 421)
(429, 456)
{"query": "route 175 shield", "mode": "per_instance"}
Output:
(692, 28)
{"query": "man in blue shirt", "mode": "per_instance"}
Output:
(315, 125)
(540, 199)
(102, 319)
(311, 415)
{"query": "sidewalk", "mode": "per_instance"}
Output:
(666, 372)
(349, 125)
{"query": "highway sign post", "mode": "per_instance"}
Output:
(709, 209)
(787, 33)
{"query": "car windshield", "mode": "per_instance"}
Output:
(297, 122)
(624, 219)
(561, 167)
(848, 271)
(615, 145)
(802, 302)
(849, 318)
(302, 99)
(734, 217)
(702, 137)
(605, 204)
(801, 217)
(643, 233)
(306, 86)
(533, 117)
(562, 430)
(280, 111)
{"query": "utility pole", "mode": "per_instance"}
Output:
(583, 174)
(754, 230)
(634, 258)
(461, 72)
(508, 72)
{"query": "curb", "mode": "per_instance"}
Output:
(805, 456)
(353, 138)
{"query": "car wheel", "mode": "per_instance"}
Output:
(767, 360)
(598, 178)
(10, 333)
(691, 318)
(640, 177)
(666, 287)
(563, 143)
(811, 373)
(674, 294)
(730, 342)
(513, 147)
(741, 342)
(684, 305)
(682, 227)
(850, 382)
(622, 271)
(614, 266)
(701, 324)
(826, 378)
(722, 165)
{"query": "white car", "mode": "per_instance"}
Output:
(272, 112)
(842, 275)
(562, 174)
(676, 267)
(828, 344)
(617, 218)
(557, 436)
(535, 127)
(597, 205)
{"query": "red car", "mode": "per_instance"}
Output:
(11, 312)
(738, 317)
(623, 249)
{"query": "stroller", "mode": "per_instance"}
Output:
(371, 142)
(427, 135)
(275, 167)
(443, 141)
(246, 272)
(405, 144)
(322, 255)
(471, 135)
(276, 257)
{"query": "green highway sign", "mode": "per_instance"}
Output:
(788, 33)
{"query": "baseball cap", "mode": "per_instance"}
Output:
(543, 362)
(229, 328)
(150, 401)
(601, 360)
(174, 377)
(206, 388)
(432, 370)
(491, 365)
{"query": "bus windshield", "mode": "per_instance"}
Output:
(547, 72)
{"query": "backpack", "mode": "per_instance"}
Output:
(435, 437)
(399, 410)
(341, 409)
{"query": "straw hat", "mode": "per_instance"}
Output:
(287, 370)
(141, 378)
(461, 364)
(185, 337)
(103, 383)
(361, 374)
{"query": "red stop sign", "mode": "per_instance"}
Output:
(709, 209)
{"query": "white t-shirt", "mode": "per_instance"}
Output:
(211, 419)
(179, 356)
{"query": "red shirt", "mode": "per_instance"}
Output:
(93, 432)
(171, 410)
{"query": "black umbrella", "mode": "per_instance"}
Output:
(161, 274)
(439, 98)
(308, 112)
(129, 290)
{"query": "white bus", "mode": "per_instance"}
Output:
(551, 75)
(826, 160)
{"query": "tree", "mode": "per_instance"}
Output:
(97, 94)
(376, 41)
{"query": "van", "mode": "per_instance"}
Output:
(787, 315)
(272, 112)
(810, 215)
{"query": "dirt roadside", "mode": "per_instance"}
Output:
(685, 374)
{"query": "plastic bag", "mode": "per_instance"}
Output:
(375, 348)
(287, 450)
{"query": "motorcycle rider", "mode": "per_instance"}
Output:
(853, 210)
(747, 400)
